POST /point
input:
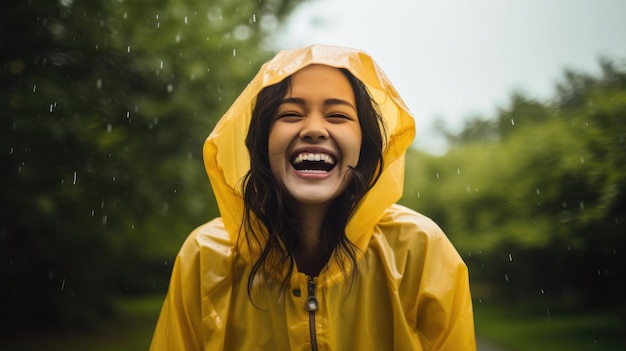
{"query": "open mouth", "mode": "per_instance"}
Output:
(313, 162)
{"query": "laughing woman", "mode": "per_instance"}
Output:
(311, 252)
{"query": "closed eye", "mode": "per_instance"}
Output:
(339, 117)
(289, 117)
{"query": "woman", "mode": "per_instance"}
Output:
(311, 252)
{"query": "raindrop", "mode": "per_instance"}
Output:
(127, 114)
(458, 171)
(234, 52)
(125, 15)
(185, 19)
(542, 291)
(512, 122)
(170, 88)
(581, 205)
(506, 277)
(52, 106)
(437, 175)
(161, 64)
(510, 258)
(99, 83)
(254, 18)
(178, 38)
(34, 87)
(538, 192)
(63, 285)
(109, 128)
(74, 181)
(102, 205)
(582, 159)
(128, 49)
(104, 220)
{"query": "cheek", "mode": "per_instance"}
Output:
(275, 151)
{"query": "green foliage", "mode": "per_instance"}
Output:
(540, 206)
(130, 330)
(540, 325)
(105, 105)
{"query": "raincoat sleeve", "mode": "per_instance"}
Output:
(432, 281)
(189, 319)
(444, 306)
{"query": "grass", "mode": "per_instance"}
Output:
(130, 331)
(516, 327)
(534, 326)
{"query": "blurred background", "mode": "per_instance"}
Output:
(520, 154)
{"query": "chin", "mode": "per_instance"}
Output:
(314, 198)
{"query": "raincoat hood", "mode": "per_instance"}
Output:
(227, 160)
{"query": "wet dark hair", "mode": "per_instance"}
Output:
(269, 216)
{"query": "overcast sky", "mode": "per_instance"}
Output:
(450, 59)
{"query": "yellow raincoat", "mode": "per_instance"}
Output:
(412, 291)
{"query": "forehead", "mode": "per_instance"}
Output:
(321, 80)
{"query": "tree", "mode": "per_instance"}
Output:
(541, 206)
(105, 107)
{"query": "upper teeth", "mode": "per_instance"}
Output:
(314, 157)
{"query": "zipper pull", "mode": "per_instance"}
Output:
(311, 302)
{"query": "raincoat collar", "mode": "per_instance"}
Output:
(227, 160)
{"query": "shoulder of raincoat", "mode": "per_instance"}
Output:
(411, 291)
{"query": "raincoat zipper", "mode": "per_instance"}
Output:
(312, 305)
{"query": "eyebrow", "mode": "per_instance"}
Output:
(327, 102)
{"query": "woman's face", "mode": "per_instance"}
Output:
(315, 137)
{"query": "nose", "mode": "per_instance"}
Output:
(314, 128)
